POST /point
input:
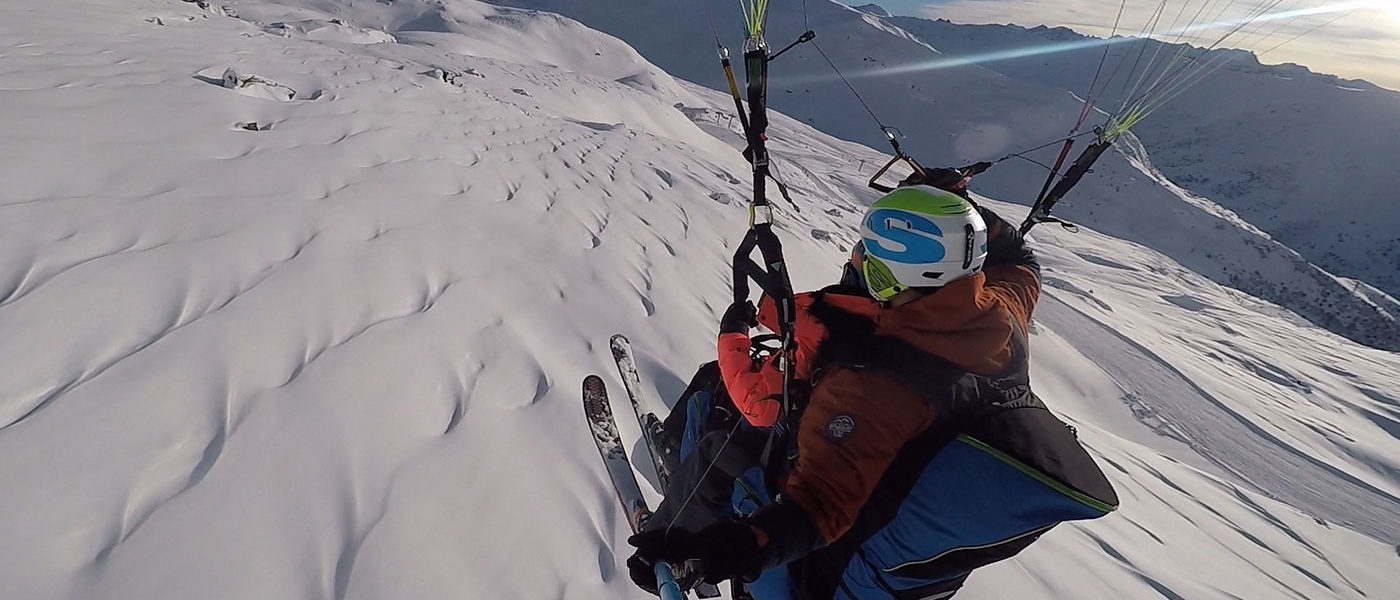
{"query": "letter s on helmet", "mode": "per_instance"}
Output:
(919, 237)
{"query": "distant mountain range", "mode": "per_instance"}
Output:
(1308, 158)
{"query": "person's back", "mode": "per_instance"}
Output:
(919, 420)
(926, 414)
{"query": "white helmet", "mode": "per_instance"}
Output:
(918, 237)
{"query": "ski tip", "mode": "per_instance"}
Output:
(621, 348)
(595, 397)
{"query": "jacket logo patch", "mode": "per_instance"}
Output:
(840, 428)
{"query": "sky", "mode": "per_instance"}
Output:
(1355, 39)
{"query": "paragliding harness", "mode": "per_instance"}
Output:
(953, 180)
(918, 174)
(1040, 211)
(772, 275)
(1019, 465)
(994, 474)
(851, 347)
(997, 444)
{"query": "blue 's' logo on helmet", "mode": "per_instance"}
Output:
(903, 237)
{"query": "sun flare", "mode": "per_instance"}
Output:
(1391, 8)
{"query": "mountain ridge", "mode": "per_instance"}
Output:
(1278, 144)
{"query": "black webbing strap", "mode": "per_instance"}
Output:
(772, 275)
(1040, 213)
(773, 279)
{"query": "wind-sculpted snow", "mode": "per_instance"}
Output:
(338, 356)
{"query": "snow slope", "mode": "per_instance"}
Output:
(336, 355)
(1303, 156)
(954, 113)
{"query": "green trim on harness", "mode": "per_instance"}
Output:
(1049, 482)
(924, 561)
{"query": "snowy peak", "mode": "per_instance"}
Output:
(872, 9)
(498, 32)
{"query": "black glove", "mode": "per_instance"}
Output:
(948, 180)
(738, 318)
(943, 178)
(721, 551)
(686, 575)
(976, 168)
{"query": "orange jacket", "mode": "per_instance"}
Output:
(969, 322)
(757, 389)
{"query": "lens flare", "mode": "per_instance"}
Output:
(1391, 8)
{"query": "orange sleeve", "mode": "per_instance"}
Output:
(752, 391)
(1016, 287)
(852, 429)
(1012, 270)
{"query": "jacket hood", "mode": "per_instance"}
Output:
(961, 322)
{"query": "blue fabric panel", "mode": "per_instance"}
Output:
(750, 493)
(964, 498)
(697, 407)
(860, 580)
(773, 584)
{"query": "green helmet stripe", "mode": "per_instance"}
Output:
(924, 202)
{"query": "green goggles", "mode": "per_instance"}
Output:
(870, 273)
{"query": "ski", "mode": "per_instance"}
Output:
(650, 424)
(651, 427)
(604, 428)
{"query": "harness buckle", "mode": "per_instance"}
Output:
(760, 214)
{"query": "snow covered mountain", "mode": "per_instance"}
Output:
(1306, 157)
(962, 113)
(315, 329)
(873, 9)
